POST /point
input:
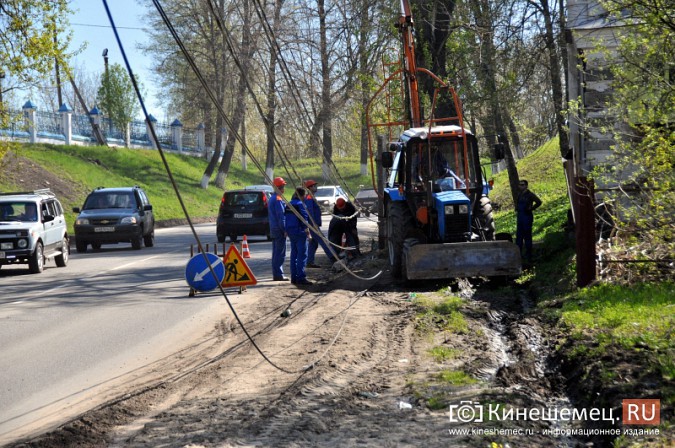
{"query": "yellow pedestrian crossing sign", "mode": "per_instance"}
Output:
(237, 272)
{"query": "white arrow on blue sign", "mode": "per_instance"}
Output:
(198, 274)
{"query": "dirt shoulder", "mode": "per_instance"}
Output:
(349, 366)
(352, 365)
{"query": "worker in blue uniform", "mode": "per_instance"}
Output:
(298, 232)
(317, 237)
(527, 203)
(277, 218)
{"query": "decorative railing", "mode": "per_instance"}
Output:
(39, 126)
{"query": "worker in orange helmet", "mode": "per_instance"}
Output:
(277, 219)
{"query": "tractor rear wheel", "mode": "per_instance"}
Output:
(399, 224)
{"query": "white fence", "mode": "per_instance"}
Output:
(63, 126)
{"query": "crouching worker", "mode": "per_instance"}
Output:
(298, 233)
(344, 223)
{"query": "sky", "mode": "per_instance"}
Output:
(90, 25)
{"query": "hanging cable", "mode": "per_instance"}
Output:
(180, 199)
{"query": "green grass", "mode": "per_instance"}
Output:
(641, 317)
(439, 311)
(441, 353)
(456, 378)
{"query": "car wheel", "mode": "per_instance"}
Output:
(269, 237)
(136, 242)
(149, 239)
(62, 260)
(80, 246)
(36, 263)
(96, 246)
(233, 237)
(221, 238)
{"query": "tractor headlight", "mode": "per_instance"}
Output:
(463, 209)
(449, 209)
(128, 220)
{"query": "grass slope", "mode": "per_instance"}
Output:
(83, 168)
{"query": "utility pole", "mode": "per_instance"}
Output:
(58, 75)
(105, 61)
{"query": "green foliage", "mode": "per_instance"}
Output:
(27, 47)
(641, 170)
(117, 96)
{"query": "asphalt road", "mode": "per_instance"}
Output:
(73, 337)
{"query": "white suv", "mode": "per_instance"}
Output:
(32, 229)
(327, 195)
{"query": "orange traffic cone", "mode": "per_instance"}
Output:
(245, 253)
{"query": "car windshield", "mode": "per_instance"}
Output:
(18, 211)
(325, 192)
(109, 200)
(243, 199)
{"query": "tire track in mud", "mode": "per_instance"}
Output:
(520, 370)
(345, 377)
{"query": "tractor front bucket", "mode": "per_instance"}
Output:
(456, 260)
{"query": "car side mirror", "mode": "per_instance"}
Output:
(76, 209)
(148, 208)
(500, 151)
(47, 218)
(387, 160)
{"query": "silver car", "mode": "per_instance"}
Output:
(32, 229)
(326, 196)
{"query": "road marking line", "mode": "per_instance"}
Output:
(132, 263)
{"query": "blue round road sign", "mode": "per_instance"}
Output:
(198, 274)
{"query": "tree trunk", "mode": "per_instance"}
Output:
(513, 133)
(365, 94)
(271, 94)
(556, 81)
(206, 177)
(240, 105)
(244, 164)
(326, 112)
(434, 26)
(487, 75)
(562, 45)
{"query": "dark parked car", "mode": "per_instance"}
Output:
(243, 212)
(366, 199)
(115, 215)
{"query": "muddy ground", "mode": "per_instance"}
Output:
(347, 367)
(349, 364)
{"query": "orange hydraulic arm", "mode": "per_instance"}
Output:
(406, 27)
